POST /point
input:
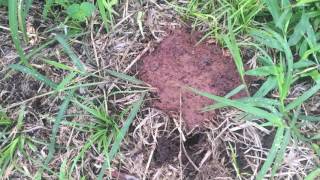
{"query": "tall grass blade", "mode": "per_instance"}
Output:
(62, 173)
(13, 23)
(55, 128)
(76, 61)
(103, 14)
(275, 120)
(123, 131)
(282, 151)
(231, 43)
(95, 112)
(23, 9)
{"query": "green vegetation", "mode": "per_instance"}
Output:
(106, 131)
(291, 33)
(284, 34)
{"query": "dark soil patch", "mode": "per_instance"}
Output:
(17, 88)
(178, 63)
(168, 149)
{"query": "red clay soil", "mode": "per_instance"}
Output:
(177, 63)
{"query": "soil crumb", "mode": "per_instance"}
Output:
(177, 63)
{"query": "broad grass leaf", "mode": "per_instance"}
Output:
(303, 64)
(266, 38)
(235, 91)
(273, 7)
(263, 71)
(299, 30)
(306, 95)
(309, 118)
(266, 87)
(281, 152)
(103, 14)
(307, 53)
(275, 120)
(305, 2)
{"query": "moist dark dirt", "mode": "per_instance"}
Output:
(168, 149)
(178, 63)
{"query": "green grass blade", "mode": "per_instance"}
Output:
(39, 49)
(22, 12)
(306, 95)
(5, 120)
(275, 120)
(266, 87)
(123, 131)
(65, 81)
(309, 118)
(95, 112)
(299, 30)
(47, 8)
(103, 14)
(55, 128)
(313, 175)
(60, 65)
(13, 23)
(35, 74)
(273, 7)
(62, 173)
(235, 91)
(76, 61)
(231, 43)
(93, 139)
(266, 38)
(272, 154)
(125, 77)
(282, 151)
(263, 71)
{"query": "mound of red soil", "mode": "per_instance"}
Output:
(177, 63)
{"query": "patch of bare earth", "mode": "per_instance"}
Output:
(179, 62)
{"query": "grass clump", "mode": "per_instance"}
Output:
(288, 49)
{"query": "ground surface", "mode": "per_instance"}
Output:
(179, 62)
(158, 144)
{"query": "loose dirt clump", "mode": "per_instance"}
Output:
(177, 63)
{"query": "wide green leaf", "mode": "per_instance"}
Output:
(275, 120)
(80, 11)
